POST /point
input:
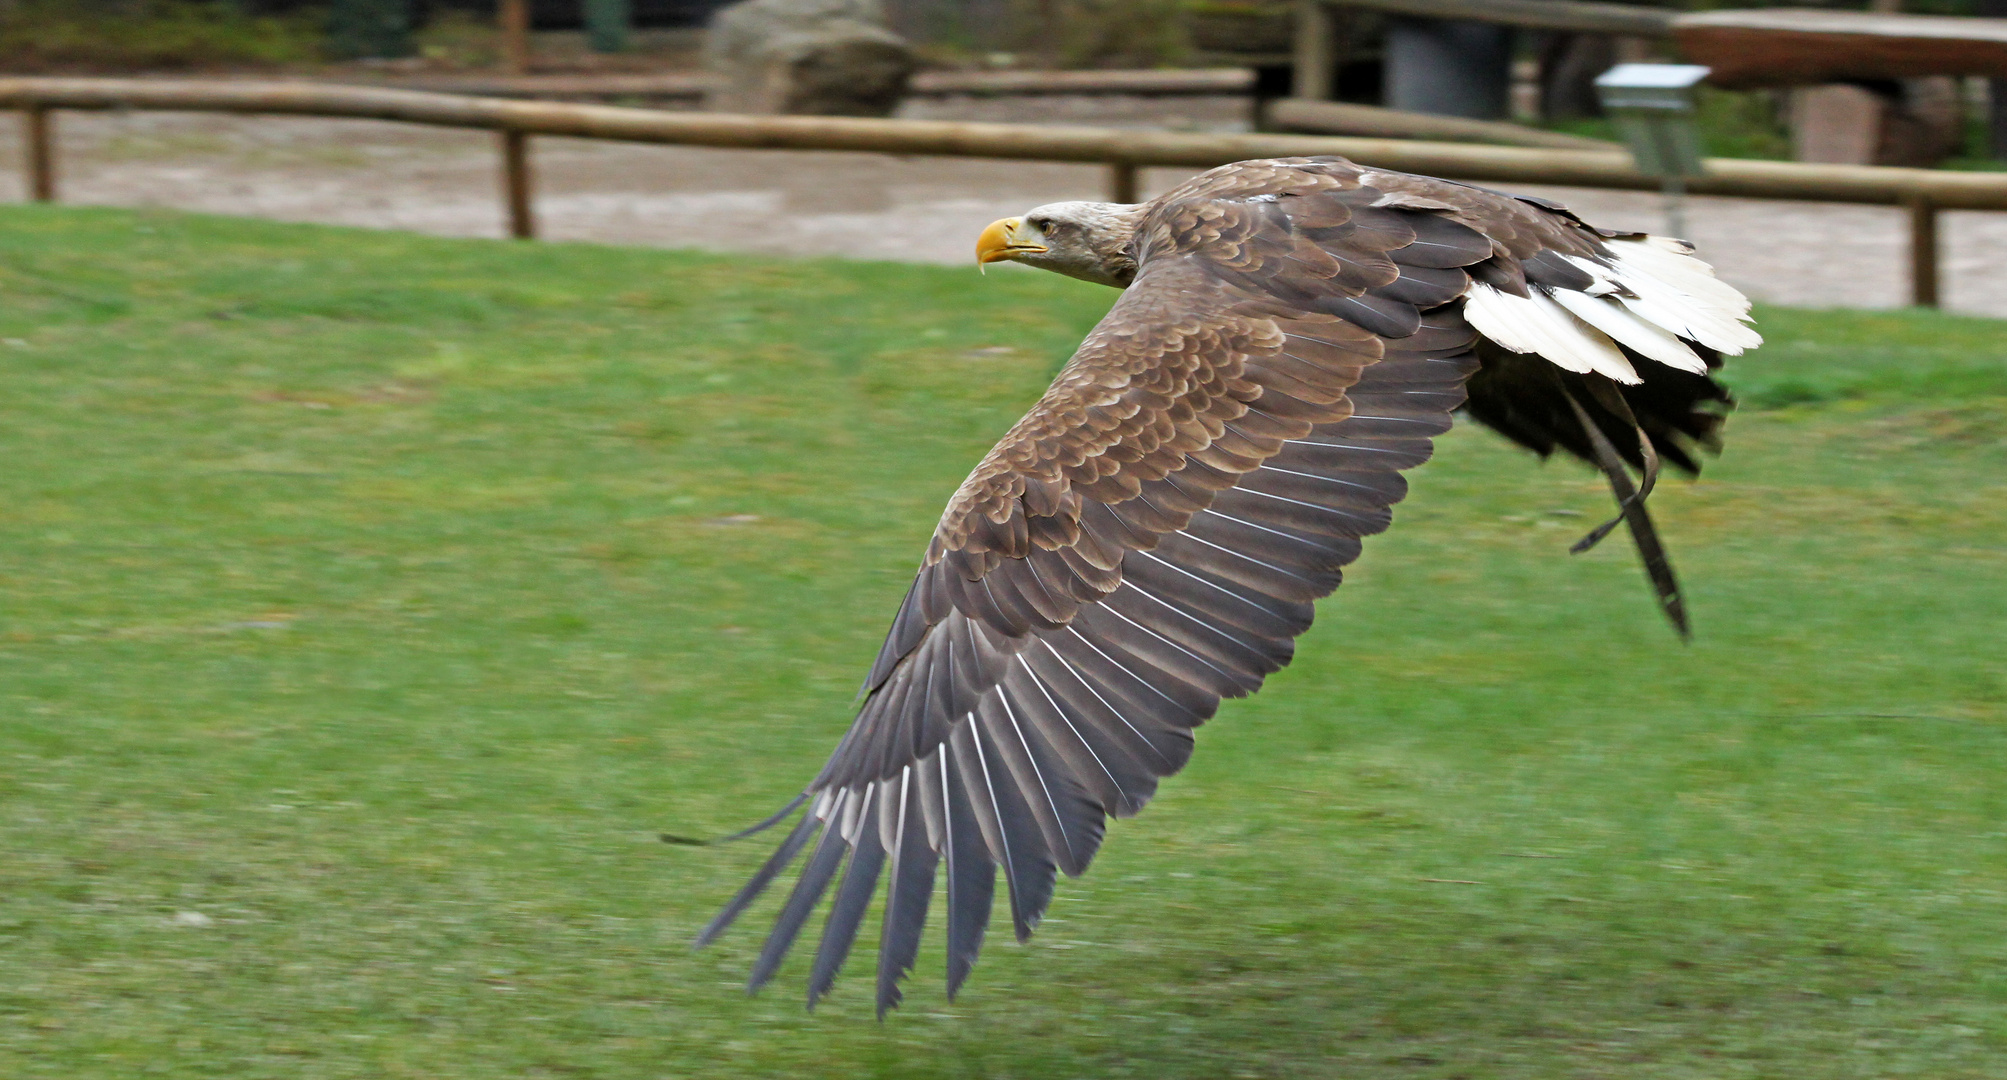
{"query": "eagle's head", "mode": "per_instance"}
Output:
(1086, 240)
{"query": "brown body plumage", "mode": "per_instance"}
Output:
(1149, 539)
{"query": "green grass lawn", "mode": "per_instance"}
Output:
(369, 603)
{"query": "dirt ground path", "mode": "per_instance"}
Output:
(869, 206)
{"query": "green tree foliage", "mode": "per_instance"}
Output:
(125, 35)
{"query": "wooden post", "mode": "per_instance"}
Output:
(38, 153)
(516, 184)
(1315, 62)
(1048, 33)
(1922, 251)
(1122, 186)
(514, 21)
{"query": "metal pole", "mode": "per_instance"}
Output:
(607, 23)
(1922, 252)
(1451, 68)
(38, 146)
(1996, 89)
(1675, 196)
(516, 184)
(514, 20)
(1122, 185)
(1996, 118)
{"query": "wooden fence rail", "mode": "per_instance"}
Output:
(1923, 192)
(690, 87)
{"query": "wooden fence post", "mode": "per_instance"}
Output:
(38, 152)
(1122, 182)
(1314, 61)
(513, 19)
(1922, 251)
(516, 184)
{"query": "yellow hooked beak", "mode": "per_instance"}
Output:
(1004, 239)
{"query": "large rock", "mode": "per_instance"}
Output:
(821, 57)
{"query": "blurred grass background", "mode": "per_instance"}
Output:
(372, 601)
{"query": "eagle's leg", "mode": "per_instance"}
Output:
(1630, 499)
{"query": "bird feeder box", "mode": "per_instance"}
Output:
(1653, 107)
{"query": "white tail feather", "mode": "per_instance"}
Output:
(1647, 339)
(1680, 293)
(1537, 324)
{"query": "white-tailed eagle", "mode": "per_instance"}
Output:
(1149, 539)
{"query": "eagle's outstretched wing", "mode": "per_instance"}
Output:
(1149, 539)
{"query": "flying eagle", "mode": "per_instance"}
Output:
(1150, 538)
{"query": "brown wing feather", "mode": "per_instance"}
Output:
(1149, 538)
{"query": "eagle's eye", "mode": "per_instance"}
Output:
(1041, 224)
